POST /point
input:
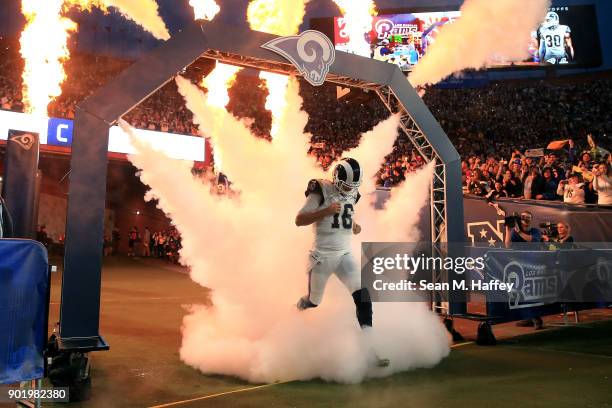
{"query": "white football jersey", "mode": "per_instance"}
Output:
(554, 39)
(332, 233)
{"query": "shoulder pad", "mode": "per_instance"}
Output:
(314, 187)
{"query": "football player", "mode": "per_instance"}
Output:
(556, 45)
(330, 206)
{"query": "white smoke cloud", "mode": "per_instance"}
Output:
(486, 29)
(253, 257)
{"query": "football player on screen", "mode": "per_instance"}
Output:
(556, 45)
(330, 206)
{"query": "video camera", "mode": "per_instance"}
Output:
(549, 229)
(513, 220)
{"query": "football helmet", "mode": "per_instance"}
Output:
(347, 176)
(552, 20)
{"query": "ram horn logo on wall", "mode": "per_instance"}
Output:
(311, 52)
(26, 141)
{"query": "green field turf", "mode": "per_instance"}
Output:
(142, 309)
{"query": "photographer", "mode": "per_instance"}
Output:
(559, 233)
(518, 229)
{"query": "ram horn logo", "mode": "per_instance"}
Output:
(311, 52)
(26, 141)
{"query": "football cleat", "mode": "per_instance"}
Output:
(382, 362)
(305, 303)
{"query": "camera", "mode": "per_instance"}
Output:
(513, 220)
(549, 229)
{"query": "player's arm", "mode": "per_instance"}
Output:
(309, 213)
(541, 46)
(569, 44)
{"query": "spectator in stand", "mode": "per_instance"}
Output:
(572, 189)
(586, 160)
(596, 152)
(533, 185)
(476, 185)
(552, 162)
(497, 192)
(602, 183)
(511, 184)
(550, 185)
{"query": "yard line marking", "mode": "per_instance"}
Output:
(217, 395)
(461, 344)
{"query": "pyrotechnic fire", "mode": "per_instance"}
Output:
(278, 17)
(218, 82)
(43, 48)
(86, 4)
(204, 9)
(276, 100)
(281, 18)
(357, 15)
(45, 37)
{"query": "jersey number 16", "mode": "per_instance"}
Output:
(347, 217)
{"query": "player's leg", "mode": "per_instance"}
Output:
(318, 273)
(349, 274)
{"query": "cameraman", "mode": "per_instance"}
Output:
(522, 231)
(562, 236)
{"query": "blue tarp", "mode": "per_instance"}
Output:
(24, 282)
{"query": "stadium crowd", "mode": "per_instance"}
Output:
(502, 132)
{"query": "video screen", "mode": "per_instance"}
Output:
(568, 36)
(401, 39)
